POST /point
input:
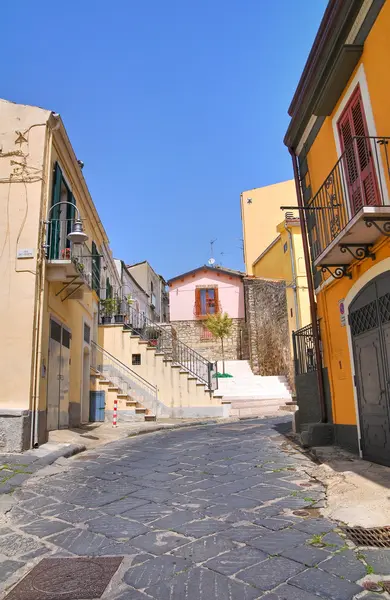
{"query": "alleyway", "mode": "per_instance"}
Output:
(206, 513)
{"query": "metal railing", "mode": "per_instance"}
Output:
(304, 351)
(165, 340)
(360, 178)
(127, 380)
(58, 247)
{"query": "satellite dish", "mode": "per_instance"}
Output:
(211, 261)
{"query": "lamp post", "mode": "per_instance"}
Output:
(77, 235)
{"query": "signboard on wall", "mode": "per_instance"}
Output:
(342, 312)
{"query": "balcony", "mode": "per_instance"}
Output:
(351, 210)
(66, 262)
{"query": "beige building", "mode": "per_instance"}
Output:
(53, 248)
(260, 215)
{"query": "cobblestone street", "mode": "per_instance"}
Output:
(218, 512)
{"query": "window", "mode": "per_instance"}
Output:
(61, 217)
(285, 247)
(87, 333)
(206, 301)
(135, 359)
(205, 334)
(358, 163)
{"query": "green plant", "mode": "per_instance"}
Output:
(110, 306)
(129, 299)
(220, 326)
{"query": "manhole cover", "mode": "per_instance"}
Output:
(301, 513)
(67, 579)
(377, 537)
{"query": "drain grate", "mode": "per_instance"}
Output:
(66, 578)
(377, 537)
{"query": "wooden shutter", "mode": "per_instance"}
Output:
(358, 163)
(197, 302)
(54, 223)
(95, 269)
(216, 300)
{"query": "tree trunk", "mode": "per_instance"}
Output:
(223, 357)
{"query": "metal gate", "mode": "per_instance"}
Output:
(369, 318)
(58, 377)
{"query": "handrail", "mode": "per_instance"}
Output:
(166, 341)
(114, 359)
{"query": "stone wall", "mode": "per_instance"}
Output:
(267, 322)
(193, 334)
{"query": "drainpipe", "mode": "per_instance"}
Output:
(312, 302)
(294, 276)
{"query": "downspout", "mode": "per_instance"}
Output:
(294, 276)
(37, 347)
(312, 302)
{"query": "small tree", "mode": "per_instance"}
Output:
(220, 325)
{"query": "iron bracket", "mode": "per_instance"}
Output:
(67, 285)
(358, 251)
(339, 272)
(383, 229)
(72, 292)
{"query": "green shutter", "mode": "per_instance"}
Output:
(54, 225)
(95, 269)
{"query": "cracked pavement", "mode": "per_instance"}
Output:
(226, 511)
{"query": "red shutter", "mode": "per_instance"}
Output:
(197, 302)
(358, 164)
(216, 298)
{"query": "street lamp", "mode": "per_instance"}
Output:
(77, 235)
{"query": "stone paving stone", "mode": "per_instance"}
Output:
(8, 567)
(34, 553)
(270, 573)
(206, 548)
(378, 559)
(129, 594)
(79, 541)
(328, 586)
(79, 515)
(159, 542)
(155, 570)
(5, 530)
(243, 532)
(279, 541)
(345, 565)
(148, 512)
(289, 592)
(44, 527)
(16, 544)
(200, 583)
(176, 519)
(315, 526)
(152, 494)
(116, 527)
(234, 502)
(53, 510)
(273, 524)
(265, 493)
(218, 510)
(307, 555)
(201, 527)
(334, 540)
(236, 560)
(37, 503)
(121, 506)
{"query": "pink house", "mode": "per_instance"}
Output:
(204, 291)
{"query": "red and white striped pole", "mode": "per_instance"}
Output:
(115, 414)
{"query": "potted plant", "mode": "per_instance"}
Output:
(109, 306)
(65, 253)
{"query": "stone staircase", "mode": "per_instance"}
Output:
(252, 395)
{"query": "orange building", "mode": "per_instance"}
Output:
(339, 138)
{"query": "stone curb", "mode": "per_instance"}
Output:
(163, 427)
(65, 452)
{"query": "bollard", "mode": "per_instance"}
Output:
(115, 414)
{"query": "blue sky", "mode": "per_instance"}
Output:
(175, 107)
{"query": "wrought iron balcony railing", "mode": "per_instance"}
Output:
(359, 179)
(304, 353)
(61, 251)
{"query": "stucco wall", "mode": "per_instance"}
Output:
(182, 294)
(261, 216)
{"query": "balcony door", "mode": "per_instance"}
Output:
(358, 161)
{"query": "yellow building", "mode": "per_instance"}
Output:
(338, 137)
(283, 259)
(260, 214)
(53, 246)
